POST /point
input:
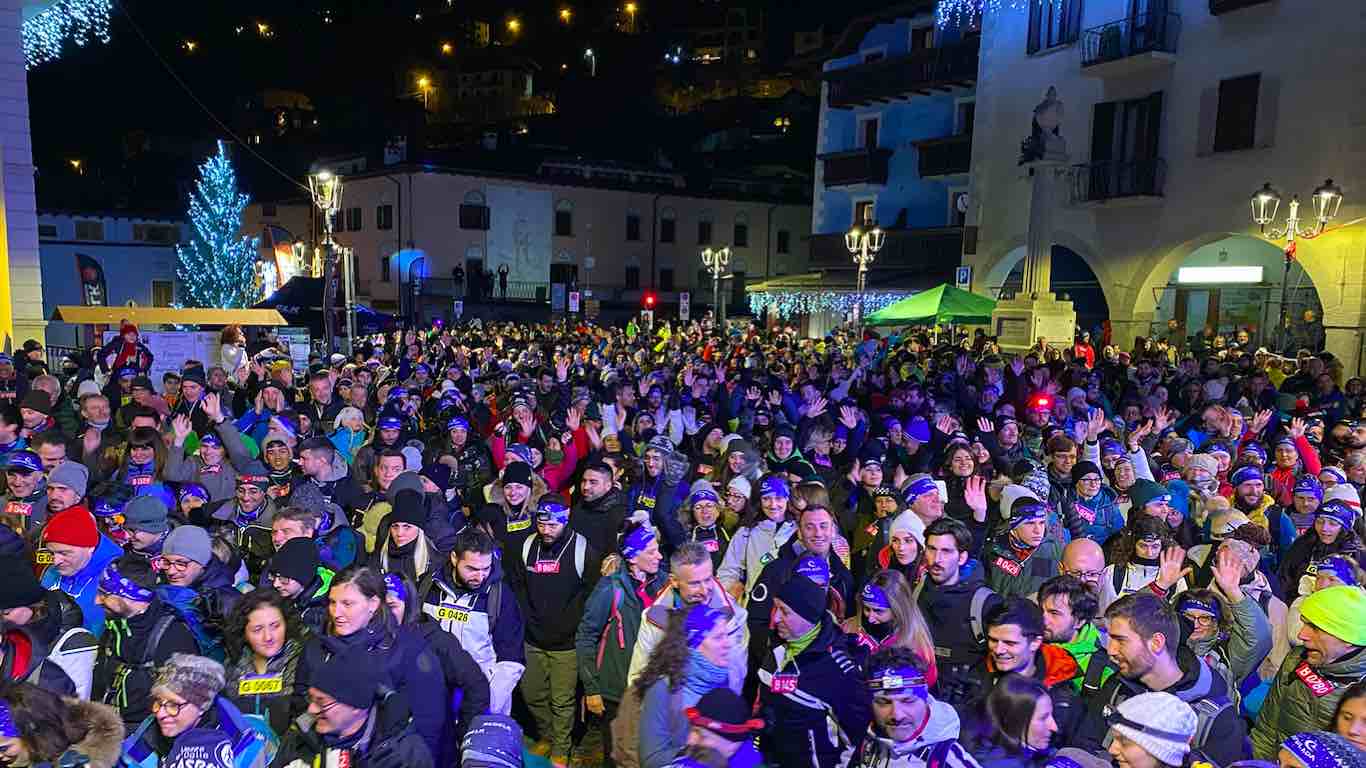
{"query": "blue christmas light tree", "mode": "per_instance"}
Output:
(218, 266)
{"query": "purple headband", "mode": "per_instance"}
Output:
(875, 597)
(553, 512)
(899, 678)
(1203, 606)
(1245, 474)
(1310, 486)
(815, 569)
(774, 486)
(394, 583)
(1340, 568)
(699, 621)
(636, 541)
(704, 494)
(8, 729)
(1336, 510)
(113, 583)
(919, 488)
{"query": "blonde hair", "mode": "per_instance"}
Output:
(910, 630)
(421, 555)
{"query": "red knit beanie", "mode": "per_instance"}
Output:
(74, 527)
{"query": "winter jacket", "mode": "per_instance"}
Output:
(1303, 698)
(816, 705)
(1013, 572)
(1236, 657)
(409, 668)
(83, 584)
(69, 644)
(1055, 669)
(103, 741)
(607, 632)
(776, 573)
(1084, 648)
(388, 740)
(939, 738)
(27, 515)
(750, 549)
(24, 658)
(513, 526)
(957, 650)
(658, 498)
(657, 618)
(468, 686)
(486, 621)
(270, 695)
(600, 520)
(1099, 515)
(127, 661)
(251, 742)
(219, 480)
(549, 587)
(1226, 741)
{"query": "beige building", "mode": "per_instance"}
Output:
(1176, 112)
(616, 230)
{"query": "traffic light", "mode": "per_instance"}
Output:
(648, 300)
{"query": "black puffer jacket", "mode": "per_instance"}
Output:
(388, 740)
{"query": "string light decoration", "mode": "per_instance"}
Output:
(218, 267)
(965, 13)
(78, 21)
(788, 304)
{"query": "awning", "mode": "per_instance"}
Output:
(944, 304)
(166, 316)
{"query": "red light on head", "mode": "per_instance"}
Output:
(1042, 402)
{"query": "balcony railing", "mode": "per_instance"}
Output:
(918, 72)
(1217, 7)
(923, 250)
(861, 166)
(445, 287)
(1138, 34)
(1113, 180)
(944, 157)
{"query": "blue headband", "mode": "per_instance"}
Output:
(107, 508)
(1337, 474)
(458, 422)
(1204, 606)
(815, 569)
(391, 422)
(1254, 448)
(1338, 511)
(552, 511)
(774, 486)
(7, 727)
(699, 621)
(875, 597)
(209, 438)
(1320, 749)
(1339, 567)
(394, 583)
(1245, 474)
(704, 494)
(902, 677)
(1309, 485)
(113, 583)
(194, 489)
(1027, 512)
(919, 488)
(636, 541)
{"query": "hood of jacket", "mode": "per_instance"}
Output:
(538, 489)
(103, 742)
(105, 553)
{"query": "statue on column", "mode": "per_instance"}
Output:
(1045, 141)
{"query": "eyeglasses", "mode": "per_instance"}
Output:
(320, 705)
(171, 708)
(167, 564)
(1091, 479)
(1201, 619)
(1084, 575)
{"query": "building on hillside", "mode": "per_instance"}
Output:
(103, 260)
(893, 149)
(422, 233)
(1175, 113)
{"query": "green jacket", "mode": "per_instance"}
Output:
(1088, 643)
(1303, 698)
(1008, 576)
(607, 632)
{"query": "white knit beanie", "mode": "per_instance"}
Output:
(1158, 722)
(910, 522)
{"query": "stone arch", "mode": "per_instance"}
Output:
(1012, 252)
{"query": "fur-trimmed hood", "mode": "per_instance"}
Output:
(103, 743)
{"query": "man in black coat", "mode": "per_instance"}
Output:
(601, 509)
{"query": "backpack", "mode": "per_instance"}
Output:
(492, 608)
(975, 620)
(181, 601)
(580, 553)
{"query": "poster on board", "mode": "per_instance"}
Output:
(170, 350)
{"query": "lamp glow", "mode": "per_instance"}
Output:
(1187, 275)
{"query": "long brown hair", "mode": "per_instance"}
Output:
(670, 657)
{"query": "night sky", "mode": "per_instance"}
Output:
(139, 134)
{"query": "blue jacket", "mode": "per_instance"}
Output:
(1099, 515)
(83, 584)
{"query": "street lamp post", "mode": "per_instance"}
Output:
(863, 244)
(592, 62)
(326, 189)
(1265, 203)
(716, 260)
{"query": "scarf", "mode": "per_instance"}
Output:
(701, 676)
(795, 647)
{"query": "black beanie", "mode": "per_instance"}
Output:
(409, 508)
(1083, 468)
(804, 596)
(517, 472)
(351, 677)
(297, 559)
(18, 586)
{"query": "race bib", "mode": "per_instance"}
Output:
(783, 683)
(1313, 680)
(210, 469)
(140, 480)
(519, 525)
(19, 508)
(1009, 566)
(257, 685)
(712, 545)
(448, 612)
(42, 557)
(1089, 515)
(546, 566)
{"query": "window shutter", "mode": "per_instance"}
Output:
(1268, 109)
(1209, 116)
(1035, 23)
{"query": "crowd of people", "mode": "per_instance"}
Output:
(491, 543)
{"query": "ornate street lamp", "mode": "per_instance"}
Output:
(326, 188)
(864, 244)
(716, 260)
(1266, 202)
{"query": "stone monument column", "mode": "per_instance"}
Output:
(21, 291)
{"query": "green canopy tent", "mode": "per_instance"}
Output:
(943, 304)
